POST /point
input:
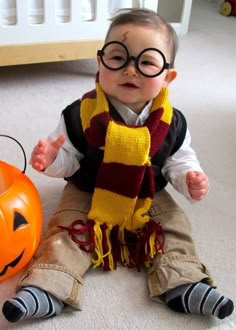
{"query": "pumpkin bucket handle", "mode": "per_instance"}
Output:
(12, 138)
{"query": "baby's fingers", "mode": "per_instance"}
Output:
(198, 194)
(38, 162)
(37, 153)
(57, 144)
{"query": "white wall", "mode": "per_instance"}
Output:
(170, 10)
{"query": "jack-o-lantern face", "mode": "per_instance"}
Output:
(20, 220)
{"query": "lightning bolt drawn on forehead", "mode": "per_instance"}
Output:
(124, 35)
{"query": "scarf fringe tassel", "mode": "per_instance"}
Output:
(112, 245)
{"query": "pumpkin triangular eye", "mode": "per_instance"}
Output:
(19, 220)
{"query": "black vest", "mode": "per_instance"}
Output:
(85, 177)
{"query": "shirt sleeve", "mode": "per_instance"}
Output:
(68, 159)
(177, 166)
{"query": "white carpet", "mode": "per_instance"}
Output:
(31, 100)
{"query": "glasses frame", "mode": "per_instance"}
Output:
(101, 53)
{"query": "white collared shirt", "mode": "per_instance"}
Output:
(174, 170)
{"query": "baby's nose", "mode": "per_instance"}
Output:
(131, 69)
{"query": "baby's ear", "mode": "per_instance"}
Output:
(98, 60)
(170, 76)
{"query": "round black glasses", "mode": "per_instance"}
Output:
(150, 62)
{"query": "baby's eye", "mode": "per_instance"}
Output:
(146, 63)
(118, 58)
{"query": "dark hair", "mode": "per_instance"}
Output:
(146, 17)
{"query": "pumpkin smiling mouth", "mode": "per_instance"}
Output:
(12, 264)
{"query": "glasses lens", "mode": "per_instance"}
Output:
(114, 56)
(151, 62)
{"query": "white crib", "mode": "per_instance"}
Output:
(34, 31)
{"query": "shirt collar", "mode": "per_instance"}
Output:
(130, 117)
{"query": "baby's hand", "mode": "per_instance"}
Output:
(45, 152)
(197, 183)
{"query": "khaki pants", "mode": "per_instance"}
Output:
(60, 264)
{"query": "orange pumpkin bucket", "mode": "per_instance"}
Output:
(20, 218)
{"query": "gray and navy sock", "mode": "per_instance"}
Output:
(31, 302)
(199, 298)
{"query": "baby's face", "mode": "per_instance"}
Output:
(128, 85)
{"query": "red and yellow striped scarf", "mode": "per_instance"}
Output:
(120, 230)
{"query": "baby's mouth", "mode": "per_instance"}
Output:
(129, 85)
